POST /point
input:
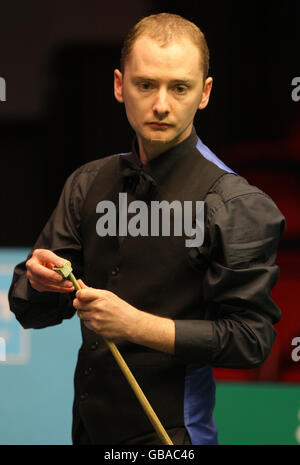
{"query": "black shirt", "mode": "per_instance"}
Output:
(243, 227)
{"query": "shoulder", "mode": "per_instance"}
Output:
(91, 169)
(243, 220)
(232, 193)
(80, 181)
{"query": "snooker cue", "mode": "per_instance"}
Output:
(66, 273)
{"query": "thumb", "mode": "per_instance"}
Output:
(81, 284)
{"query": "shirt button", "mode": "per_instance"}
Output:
(115, 271)
(95, 345)
(83, 396)
(87, 371)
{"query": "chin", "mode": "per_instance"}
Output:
(157, 137)
(164, 141)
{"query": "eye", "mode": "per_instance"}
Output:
(144, 86)
(179, 89)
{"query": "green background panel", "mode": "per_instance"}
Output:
(258, 413)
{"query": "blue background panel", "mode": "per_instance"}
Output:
(36, 389)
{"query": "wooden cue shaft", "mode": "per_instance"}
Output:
(161, 432)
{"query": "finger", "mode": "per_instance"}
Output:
(89, 294)
(42, 273)
(89, 326)
(84, 315)
(83, 306)
(82, 284)
(42, 287)
(48, 258)
(42, 263)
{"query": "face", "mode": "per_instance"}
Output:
(162, 88)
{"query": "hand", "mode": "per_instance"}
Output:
(41, 275)
(104, 312)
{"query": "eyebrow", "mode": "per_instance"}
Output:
(186, 82)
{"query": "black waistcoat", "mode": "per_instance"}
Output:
(154, 274)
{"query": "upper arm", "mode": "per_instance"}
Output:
(244, 233)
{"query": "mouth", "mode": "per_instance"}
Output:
(156, 125)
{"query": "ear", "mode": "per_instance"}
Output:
(118, 85)
(206, 93)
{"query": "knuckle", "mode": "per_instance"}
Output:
(36, 286)
(28, 263)
(76, 304)
(106, 294)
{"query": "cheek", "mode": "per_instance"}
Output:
(188, 110)
(135, 108)
(130, 111)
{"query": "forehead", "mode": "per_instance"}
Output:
(179, 57)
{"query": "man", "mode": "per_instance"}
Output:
(174, 311)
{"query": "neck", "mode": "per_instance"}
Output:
(149, 150)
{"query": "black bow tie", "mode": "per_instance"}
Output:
(136, 181)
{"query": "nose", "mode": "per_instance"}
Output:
(161, 107)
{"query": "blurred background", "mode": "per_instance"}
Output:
(57, 111)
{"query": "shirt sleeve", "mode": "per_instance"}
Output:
(243, 237)
(61, 235)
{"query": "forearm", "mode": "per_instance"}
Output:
(152, 331)
(226, 343)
